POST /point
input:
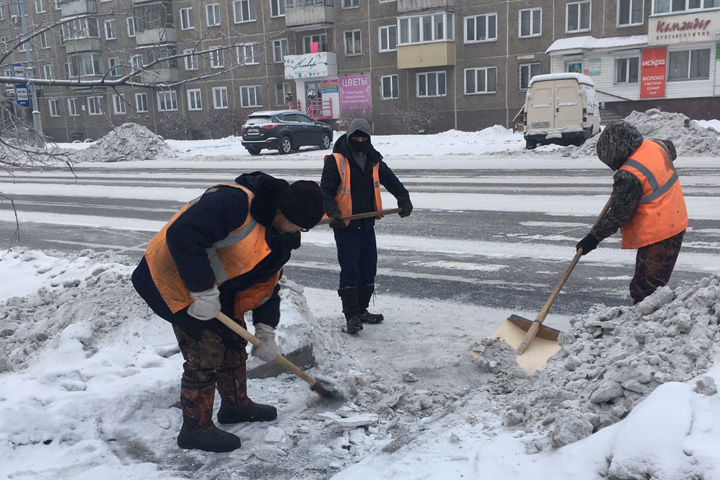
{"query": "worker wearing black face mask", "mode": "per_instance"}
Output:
(350, 183)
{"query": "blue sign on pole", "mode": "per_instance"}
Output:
(22, 94)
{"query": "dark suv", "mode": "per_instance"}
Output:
(284, 130)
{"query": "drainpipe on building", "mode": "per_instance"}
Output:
(37, 119)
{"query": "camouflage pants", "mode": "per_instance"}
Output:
(218, 349)
(653, 266)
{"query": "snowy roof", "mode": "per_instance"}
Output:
(591, 43)
(584, 79)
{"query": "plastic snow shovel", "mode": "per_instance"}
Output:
(358, 216)
(316, 385)
(534, 342)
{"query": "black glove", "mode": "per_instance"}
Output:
(292, 240)
(588, 244)
(405, 206)
(334, 213)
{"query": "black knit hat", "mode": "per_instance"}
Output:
(617, 142)
(302, 203)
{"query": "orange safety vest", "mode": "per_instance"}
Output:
(343, 197)
(253, 297)
(661, 213)
(234, 255)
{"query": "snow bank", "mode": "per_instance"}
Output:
(127, 142)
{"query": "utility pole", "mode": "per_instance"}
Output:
(37, 119)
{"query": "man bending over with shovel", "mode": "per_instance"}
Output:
(647, 205)
(224, 251)
(351, 180)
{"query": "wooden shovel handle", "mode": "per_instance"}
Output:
(294, 369)
(358, 216)
(532, 332)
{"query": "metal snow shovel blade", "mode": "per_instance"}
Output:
(534, 342)
(320, 387)
(358, 216)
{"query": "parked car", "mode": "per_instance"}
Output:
(560, 108)
(285, 131)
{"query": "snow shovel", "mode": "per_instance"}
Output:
(316, 385)
(358, 216)
(534, 342)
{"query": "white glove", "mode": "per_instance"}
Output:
(206, 305)
(268, 348)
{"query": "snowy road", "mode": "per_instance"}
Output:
(491, 236)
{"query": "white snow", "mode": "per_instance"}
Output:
(89, 376)
(591, 43)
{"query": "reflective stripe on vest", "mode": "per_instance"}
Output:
(234, 255)
(343, 197)
(661, 213)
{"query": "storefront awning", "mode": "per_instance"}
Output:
(579, 44)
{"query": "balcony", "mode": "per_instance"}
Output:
(406, 6)
(306, 13)
(79, 45)
(436, 54)
(160, 75)
(78, 7)
(156, 36)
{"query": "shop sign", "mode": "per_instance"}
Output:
(356, 94)
(594, 67)
(329, 86)
(684, 28)
(310, 65)
(653, 68)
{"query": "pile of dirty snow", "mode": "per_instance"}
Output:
(690, 137)
(128, 142)
(610, 360)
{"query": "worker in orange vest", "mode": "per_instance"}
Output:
(647, 205)
(225, 251)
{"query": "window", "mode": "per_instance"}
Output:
(191, 62)
(245, 10)
(48, 71)
(528, 71)
(136, 62)
(389, 87)
(530, 22)
(282, 90)
(40, 8)
(72, 107)
(220, 98)
(110, 29)
(667, 6)
(431, 84)
(2, 12)
(84, 65)
(626, 70)
(153, 16)
(352, 43)
(217, 57)
(167, 101)
(194, 99)
(187, 20)
(130, 26)
(56, 4)
(251, 96)
(481, 28)
(426, 28)
(114, 64)
(54, 106)
(689, 64)
(350, 3)
(578, 17)
(45, 39)
(95, 105)
(277, 8)
(141, 103)
(248, 54)
(480, 80)
(630, 12)
(280, 49)
(387, 38)
(80, 28)
(119, 106)
(320, 39)
(25, 45)
(212, 12)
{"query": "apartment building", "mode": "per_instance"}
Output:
(407, 65)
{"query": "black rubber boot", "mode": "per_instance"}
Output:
(351, 309)
(236, 407)
(365, 293)
(252, 412)
(198, 430)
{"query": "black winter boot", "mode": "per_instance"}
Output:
(365, 293)
(351, 309)
(236, 407)
(198, 430)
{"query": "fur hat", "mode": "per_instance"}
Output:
(617, 142)
(302, 203)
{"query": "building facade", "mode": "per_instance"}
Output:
(407, 65)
